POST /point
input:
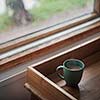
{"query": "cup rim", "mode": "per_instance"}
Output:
(74, 60)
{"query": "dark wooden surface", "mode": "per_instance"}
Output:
(89, 86)
(15, 90)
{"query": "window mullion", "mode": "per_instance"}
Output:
(97, 7)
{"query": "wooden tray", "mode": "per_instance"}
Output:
(43, 81)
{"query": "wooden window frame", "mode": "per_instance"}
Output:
(42, 33)
(97, 7)
(13, 44)
(50, 30)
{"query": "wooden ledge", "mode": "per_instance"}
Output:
(55, 48)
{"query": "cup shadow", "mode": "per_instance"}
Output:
(73, 90)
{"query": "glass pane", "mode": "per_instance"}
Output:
(21, 17)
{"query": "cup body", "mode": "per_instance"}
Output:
(72, 71)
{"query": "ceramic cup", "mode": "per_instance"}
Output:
(72, 71)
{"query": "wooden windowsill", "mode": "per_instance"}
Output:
(49, 46)
(19, 71)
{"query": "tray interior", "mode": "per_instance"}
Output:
(88, 88)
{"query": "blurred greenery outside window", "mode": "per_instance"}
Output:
(18, 12)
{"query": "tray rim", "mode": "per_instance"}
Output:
(31, 88)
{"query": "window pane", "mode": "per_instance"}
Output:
(21, 17)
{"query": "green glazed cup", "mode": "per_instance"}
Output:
(72, 71)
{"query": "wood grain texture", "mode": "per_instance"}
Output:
(88, 88)
(85, 53)
(43, 79)
(46, 89)
(40, 51)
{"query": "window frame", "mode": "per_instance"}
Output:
(5, 47)
(97, 7)
(42, 33)
(14, 43)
